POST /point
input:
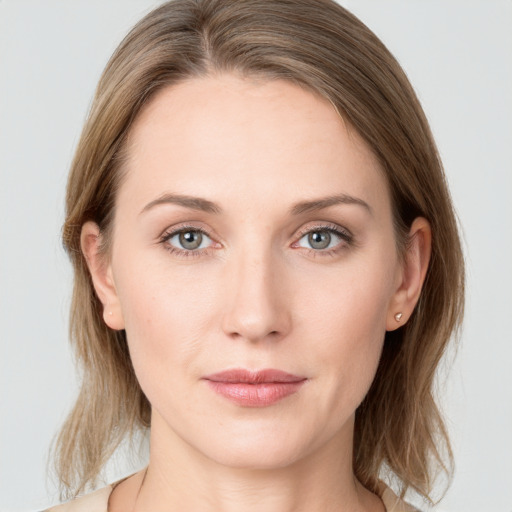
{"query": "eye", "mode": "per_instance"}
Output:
(318, 239)
(324, 239)
(188, 239)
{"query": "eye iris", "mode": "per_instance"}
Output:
(319, 239)
(190, 239)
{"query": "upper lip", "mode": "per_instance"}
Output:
(253, 377)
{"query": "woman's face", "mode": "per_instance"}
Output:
(253, 231)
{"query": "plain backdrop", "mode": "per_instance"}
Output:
(458, 55)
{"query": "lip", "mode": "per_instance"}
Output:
(254, 388)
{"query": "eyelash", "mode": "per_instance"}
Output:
(164, 239)
(343, 234)
(346, 237)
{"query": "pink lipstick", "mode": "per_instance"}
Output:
(254, 388)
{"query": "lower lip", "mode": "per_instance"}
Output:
(255, 395)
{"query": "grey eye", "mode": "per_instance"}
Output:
(319, 239)
(189, 240)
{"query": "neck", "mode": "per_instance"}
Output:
(181, 478)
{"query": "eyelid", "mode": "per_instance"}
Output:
(179, 228)
(326, 226)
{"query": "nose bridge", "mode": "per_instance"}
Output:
(256, 307)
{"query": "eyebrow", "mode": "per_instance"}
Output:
(191, 202)
(326, 202)
(204, 205)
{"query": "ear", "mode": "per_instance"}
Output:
(412, 274)
(101, 274)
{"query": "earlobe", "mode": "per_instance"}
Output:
(101, 274)
(412, 276)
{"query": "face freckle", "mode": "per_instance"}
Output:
(254, 298)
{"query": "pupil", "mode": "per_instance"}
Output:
(191, 239)
(319, 239)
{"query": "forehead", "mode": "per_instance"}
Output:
(225, 136)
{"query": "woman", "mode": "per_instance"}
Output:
(267, 266)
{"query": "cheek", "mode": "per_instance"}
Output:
(167, 315)
(346, 317)
(350, 301)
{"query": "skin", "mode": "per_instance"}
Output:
(256, 294)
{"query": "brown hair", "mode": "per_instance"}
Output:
(318, 45)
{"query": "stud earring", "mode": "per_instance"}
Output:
(110, 313)
(398, 317)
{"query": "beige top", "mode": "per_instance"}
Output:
(98, 501)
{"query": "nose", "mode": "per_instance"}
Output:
(258, 306)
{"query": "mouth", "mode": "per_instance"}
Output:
(254, 388)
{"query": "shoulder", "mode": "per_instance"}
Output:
(392, 502)
(96, 501)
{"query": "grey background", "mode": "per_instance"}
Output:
(458, 55)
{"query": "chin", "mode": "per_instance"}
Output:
(252, 456)
(258, 446)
